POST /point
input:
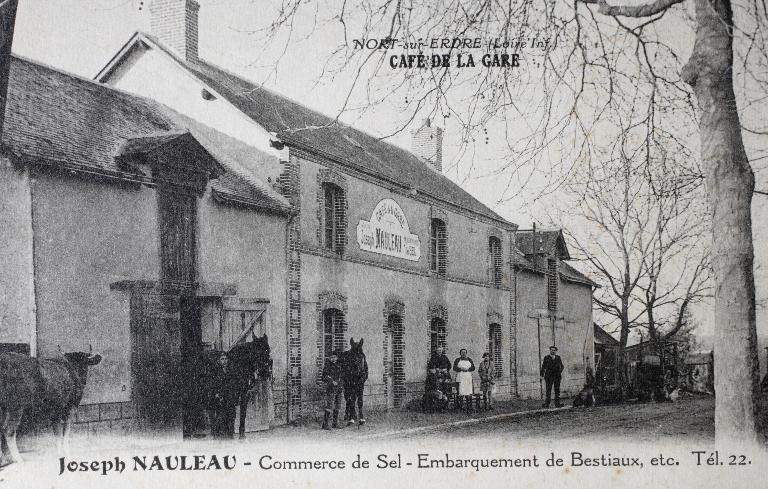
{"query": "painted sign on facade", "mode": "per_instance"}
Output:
(387, 233)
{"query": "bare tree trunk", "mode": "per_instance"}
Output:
(730, 183)
(623, 338)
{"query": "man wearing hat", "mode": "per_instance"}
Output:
(332, 380)
(551, 371)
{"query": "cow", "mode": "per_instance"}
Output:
(54, 386)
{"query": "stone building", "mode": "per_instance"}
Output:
(172, 220)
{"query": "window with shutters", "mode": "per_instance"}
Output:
(438, 247)
(437, 335)
(334, 218)
(333, 331)
(494, 348)
(552, 284)
(494, 249)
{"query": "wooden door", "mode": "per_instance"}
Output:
(241, 318)
(155, 361)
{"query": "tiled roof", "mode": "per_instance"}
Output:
(531, 254)
(68, 121)
(570, 273)
(603, 337)
(302, 127)
(59, 117)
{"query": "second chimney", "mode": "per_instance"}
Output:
(427, 144)
(174, 23)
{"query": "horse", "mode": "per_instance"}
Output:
(354, 373)
(248, 362)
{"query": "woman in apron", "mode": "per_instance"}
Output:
(464, 366)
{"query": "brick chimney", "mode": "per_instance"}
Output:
(427, 144)
(174, 23)
(7, 21)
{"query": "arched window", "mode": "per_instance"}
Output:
(494, 249)
(333, 331)
(494, 348)
(437, 335)
(438, 246)
(334, 218)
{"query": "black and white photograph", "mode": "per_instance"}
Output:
(383, 243)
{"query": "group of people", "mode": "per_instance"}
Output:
(439, 386)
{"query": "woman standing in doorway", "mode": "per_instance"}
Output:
(464, 366)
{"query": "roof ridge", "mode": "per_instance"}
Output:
(336, 120)
(199, 66)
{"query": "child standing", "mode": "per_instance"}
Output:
(486, 380)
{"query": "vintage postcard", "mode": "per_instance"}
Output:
(383, 243)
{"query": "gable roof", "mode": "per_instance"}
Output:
(549, 242)
(532, 249)
(66, 121)
(304, 128)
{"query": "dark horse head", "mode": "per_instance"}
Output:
(253, 357)
(354, 368)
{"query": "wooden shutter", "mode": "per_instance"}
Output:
(177, 213)
(494, 248)
(552, 284)
(494, 348)
(438, 246)
(329, 217)
(442, 248)
(340, 221)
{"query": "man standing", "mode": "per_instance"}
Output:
(332, 379)
(551, 372)
(224, 396)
